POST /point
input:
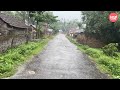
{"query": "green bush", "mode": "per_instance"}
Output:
(26, 49)
(5, 68)
(114, 66)
(93, 52)
(110, 49)
(103, 58)
(85, 47)
(15, 56)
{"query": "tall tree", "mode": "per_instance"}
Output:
(98, 25)
(41, 16)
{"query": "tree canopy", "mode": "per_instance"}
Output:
(98, 25)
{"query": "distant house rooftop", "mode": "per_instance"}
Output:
(76, 30)
(79, 30)
(13, 21)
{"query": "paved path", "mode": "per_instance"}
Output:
(60, 60)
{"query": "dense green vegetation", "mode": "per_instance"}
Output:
(99, 26)
(110, 49)
(10, 60)
(107, 64)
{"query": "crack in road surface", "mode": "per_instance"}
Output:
(60, 60)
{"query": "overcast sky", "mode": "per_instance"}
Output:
(68, 15)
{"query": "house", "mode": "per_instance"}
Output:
(13, 31)
(33, 31)
(45, 28)
(73, 32)
(49, 31)
(78, 31)
(10, 25)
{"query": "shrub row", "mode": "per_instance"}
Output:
(106, 56)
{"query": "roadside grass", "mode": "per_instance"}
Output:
(12, 58)
(106, 64)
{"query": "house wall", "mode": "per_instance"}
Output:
(3, 28)
(32, 32)
(10, 36)
(1, 22)
(19, 31)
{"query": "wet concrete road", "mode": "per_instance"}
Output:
(60, 60)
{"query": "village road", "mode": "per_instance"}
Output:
(60, 60)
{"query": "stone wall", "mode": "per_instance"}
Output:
(4, 45)
(11, 41)
(20, 39)
(10, 36)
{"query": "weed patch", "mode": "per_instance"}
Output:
(102, 57)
